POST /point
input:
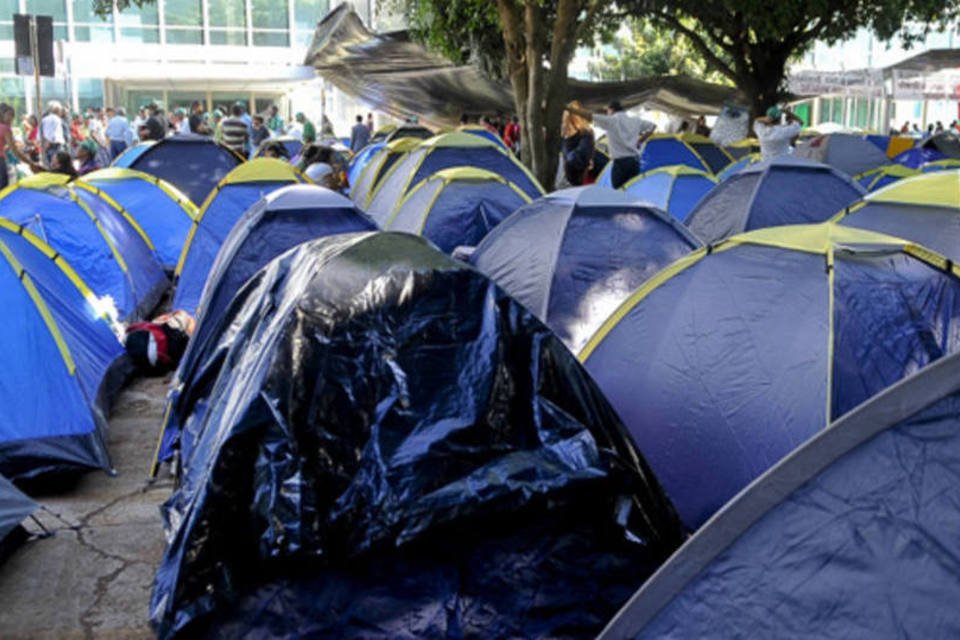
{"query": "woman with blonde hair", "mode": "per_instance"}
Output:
(577, 147)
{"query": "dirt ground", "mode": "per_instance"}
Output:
(95, 581)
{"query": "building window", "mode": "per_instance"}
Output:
(184, 21)
(228, 22)
(306, 15)
(55, 8)
(88, 27)
(7, 9)
(271, 26)
(140, 24)
(89, 93)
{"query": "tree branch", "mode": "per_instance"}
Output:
(699, 44)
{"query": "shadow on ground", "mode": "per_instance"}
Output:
(94, 581)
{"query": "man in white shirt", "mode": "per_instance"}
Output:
(775, 138)
(118, 131)
(625, 133)
(51, 131)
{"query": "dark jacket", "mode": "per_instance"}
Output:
(577, 155)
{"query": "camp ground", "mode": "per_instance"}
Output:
(351, 337)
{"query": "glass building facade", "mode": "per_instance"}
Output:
(174, 50)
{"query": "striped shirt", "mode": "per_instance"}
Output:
(234, 133)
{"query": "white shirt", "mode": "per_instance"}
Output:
(623, 131)
(184, 126)
(775, 138)
(51, 129)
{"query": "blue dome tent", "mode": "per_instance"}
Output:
(918, 156)
(236, 193)
(697, 152)
(456, 452)
(130, 154)
(14, 509)
(194, 164)
(483, 132)
(293, 146)
(676, 189)
(852, 536)
(443, 152)
(730, 358)
(164, 213)
(924, 209)
(360, 160)
(948, 164)
(100, 240)
(738, 165)
(377, 166)
(457, 207)
(882, 176)
(63, 363)
(573, 256)
(773, 193)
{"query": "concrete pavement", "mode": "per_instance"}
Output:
(94, 581)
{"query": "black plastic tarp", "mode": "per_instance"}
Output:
(400, 77)
(14, 509)
(382, 444)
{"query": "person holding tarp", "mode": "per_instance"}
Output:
(624, 135)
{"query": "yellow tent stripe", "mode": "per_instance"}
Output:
(50, 253)
(636, 297)
(42, 308)
(103, 195)
(831, 303)
(116, 173)
(106, 237)
(936, 189)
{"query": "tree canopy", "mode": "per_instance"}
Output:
(751, 41)
(650, 50)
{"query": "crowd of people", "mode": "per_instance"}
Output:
(77, 144)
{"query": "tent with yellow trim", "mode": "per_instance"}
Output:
(442, 152)
(483, 132)
(194, 163)
(163, 211)
(457, 206)
(100, 239)
(699, 152)
(676, 189)
(883, 176)
(940, 165)
(574, 255)
(61, 363)
(924, 209)
(780, 191)
(237, 192)
(376, 166)
(729, 359)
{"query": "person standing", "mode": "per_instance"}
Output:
(309, 132)
(217, 122)
(52, 140)
(234, 131)
(260, 132)
(370, 123)
(156, 126)
(511, 135)
(117, 131)
(624, 135)
(775, 137)
(196, 121)
(7, 144)
(275, 122)
(577, 147)
(359, 135)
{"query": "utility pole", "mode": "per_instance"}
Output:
(35, 56)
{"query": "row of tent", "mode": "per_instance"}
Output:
(720, 359)
(367, 423)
